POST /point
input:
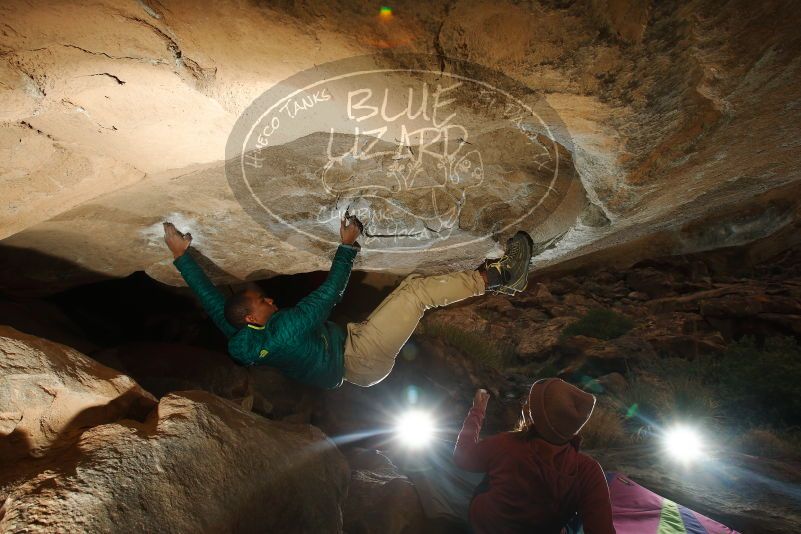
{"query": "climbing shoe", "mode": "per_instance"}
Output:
(509, 274)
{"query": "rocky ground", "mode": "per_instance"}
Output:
(80, 433)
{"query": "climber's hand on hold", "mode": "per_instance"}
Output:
(350, 230)
(176, 241)
(481, 399)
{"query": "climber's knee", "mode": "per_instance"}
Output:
(411, 279)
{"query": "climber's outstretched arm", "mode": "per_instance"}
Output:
(210, 297)
(315, 308)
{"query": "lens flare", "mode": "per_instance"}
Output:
(415, 429)
(385, 12)
(684, 444)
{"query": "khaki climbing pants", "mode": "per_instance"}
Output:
(372, 345)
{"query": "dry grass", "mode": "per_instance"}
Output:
(475, 346)
(604, 429)
(669, 390)
(689, 398)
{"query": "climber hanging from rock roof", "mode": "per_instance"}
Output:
(305, 346)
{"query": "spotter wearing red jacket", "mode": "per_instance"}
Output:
(535, 485)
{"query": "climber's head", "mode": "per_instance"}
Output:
(250, 306)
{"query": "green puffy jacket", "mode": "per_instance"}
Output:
(298, 341)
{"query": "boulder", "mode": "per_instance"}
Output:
(637, 295)
(538, 340)
(752, 308)
(381, 500)
(682, 334)
(541, 293)
(791, 323)
(50, 393)
(118, 115)
(86, 449)
(579, 301)
(584, 355)
(650, 281)
(198, 463)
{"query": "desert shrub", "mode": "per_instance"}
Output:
(768, 443)
(688, 389)
(762, 383)
(599, 323)
(547, 370)
(751, 384)
(642, 403)
(664, 393)
(476, 347)
(604, 429)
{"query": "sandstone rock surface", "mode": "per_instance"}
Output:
(84, 448)
(677, 123)
(381, 500)
(50, 393)
(196, 464)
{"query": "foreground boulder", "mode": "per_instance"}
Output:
(83, 448)
(381, 500)
(197, 464)
(49, 393)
